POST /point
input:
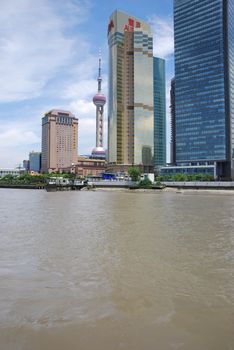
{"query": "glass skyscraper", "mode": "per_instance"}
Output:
(35, 161)
(159, 113)
(204, 83)
(173, 121)
(131, 91)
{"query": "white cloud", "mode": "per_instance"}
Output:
(163, 36)
(79, 71)
(83, 108)
(12, 158)
(16, 137)
(34, 44)
(81, 90)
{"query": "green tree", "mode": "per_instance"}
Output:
(192, 177)
(159, 178)
(179, 177)
(199, 177)
(208, 177)
(146, 183)
(134, 173)
(8, 179)
(70, 176)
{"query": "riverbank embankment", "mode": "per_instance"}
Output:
(229, 185)
(24, 187)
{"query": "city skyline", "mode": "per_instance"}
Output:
(51, 63)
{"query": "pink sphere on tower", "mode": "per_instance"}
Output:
(99, 99)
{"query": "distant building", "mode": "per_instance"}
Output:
(35, 161)
(123, 168)
(159, 113)
(87, 167)
(91, 167)
(26, 165)
(131, 92)
(59, 140)
(14, 172)
(204, 84)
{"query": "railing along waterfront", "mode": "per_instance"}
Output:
(200, 184)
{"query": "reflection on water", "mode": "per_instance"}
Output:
(116, 270)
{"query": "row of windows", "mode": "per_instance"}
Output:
(183, 9)
(206, 153)
(192, 22)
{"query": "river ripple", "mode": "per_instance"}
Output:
(113, 270)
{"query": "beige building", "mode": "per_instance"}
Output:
(87, 167)
(59, 140)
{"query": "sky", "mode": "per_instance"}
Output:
(49, 60)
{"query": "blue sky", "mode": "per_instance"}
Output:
(49, 57)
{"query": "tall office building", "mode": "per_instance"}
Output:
(204, 84)
(59, 140)
(26, 164)
(173, 121)
(131, 91)
(159, 113)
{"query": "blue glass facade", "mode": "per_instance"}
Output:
(229, 18)
(173, 121)
(203, 82)
(159, 112)
(189, 170)
(35, 161)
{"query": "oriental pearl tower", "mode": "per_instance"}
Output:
(99, 100)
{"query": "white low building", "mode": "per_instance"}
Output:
(14, 172)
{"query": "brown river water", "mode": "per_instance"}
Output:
(106, 270)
